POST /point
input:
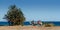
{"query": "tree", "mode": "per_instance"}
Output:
(15, 16)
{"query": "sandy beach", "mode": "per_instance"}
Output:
(9, 28)
(39, 28)
(28, 28)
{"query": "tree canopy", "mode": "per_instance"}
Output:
(15, 15)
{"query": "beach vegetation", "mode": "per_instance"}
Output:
(15, 16)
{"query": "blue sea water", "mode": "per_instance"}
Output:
(28, 23)
(4, 23)
(56, 23)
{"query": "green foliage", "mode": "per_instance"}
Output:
(15, 16)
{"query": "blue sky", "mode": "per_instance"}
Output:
(44, 10)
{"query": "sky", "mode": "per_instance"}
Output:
(44, 10)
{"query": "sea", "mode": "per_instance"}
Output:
(4, 24)
(56, 23)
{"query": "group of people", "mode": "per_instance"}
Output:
(36, 23)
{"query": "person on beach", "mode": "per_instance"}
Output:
(39, 23)
(32, 22)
